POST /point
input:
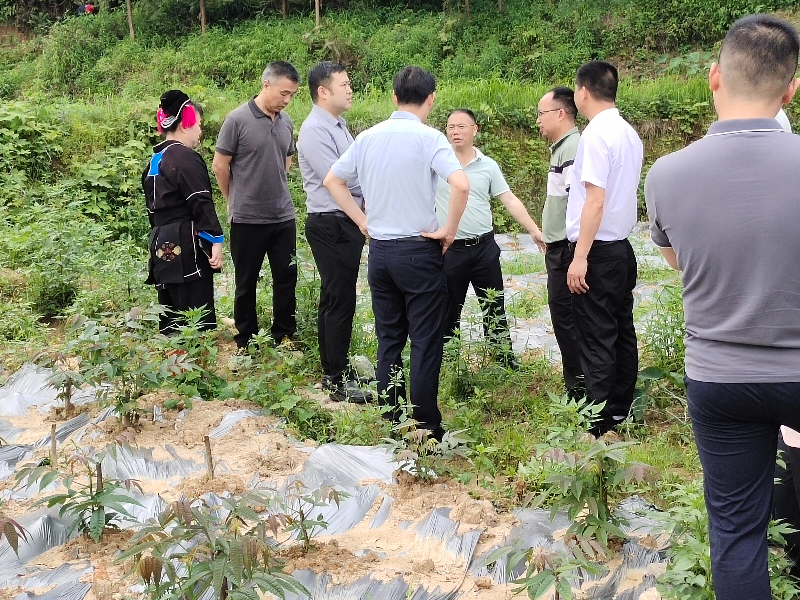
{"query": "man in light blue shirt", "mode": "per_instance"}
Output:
(398, 163)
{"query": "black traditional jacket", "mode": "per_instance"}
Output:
(181, 210)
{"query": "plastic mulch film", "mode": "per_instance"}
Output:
(231, 419)
(138, 463)
(379, 518)
(8, 433)
(347, 466)
(29, 387)
(45, 578)
(65, 430)
(45, 531)
(71, 591)
(365, 588)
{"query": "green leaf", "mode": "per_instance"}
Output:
(218, 575)
(97, 523)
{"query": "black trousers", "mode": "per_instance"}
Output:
(409, 299)
(249, 245)
(604, 325)
(786, 499)
(736, 430)
(336, 243)
(198, 293)
(559, 299)
(480, 266)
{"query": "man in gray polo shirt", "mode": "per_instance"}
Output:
(253, 154)
(398, 163)
(725, 211)
(335, 240)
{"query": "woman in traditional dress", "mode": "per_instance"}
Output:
(186, 238)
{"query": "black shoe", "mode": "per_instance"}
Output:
(437, 434)
(349, 391)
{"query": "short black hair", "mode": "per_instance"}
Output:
(600, 78)
(278, 69)
(565, 98)
(464, 111)
(413, 85)
(321, 74)
(758, 58)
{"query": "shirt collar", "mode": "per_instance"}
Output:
(740, 125)
(606, 113)
(478, 155)
(558, 142)
(401, 114)
(257, 112)
(327, 117)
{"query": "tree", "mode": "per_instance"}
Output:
(130, 19)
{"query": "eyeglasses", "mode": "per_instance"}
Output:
(459, 127)
(541, 112)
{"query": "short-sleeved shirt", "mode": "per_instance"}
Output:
(784, 121)
(486, 181)
(397, 163)
(259, 189)
(609, 156)
(322, 140)
(562, 159)
(729, 205)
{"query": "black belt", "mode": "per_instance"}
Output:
(557, 245)
(474, 241)
(340, 214)
(599, 243)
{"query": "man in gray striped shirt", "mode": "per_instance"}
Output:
(335, 239)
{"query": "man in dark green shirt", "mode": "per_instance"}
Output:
(556, 120)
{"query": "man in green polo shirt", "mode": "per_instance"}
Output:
(474, 256)
(556, 120)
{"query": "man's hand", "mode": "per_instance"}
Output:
(444, 236)
(536, 236)
(216, 256)
(362, 225)
(576, 276)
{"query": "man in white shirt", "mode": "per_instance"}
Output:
(601, 212)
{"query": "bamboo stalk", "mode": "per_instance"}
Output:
(53, 459)
(209, 459)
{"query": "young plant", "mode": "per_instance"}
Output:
(297, 506)
(94, 503)
(545, 570)
(194, 548)
(417, 450)
(123, 352)
(580, 474)
(67, 381)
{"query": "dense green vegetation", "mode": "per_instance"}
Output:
(77, 106)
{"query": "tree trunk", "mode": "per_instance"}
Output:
(500, 5)
(317, 11)
(130, 19)
(466, 7)
(202, 16)
(284, 9)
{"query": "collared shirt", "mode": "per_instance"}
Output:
(728, 206)
(554, 215)
(486, 181)
(259, 188)
(609, 156)
(784, 121)
(322, 140)
(397, 163)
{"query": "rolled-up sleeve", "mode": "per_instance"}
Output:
(657, 233)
